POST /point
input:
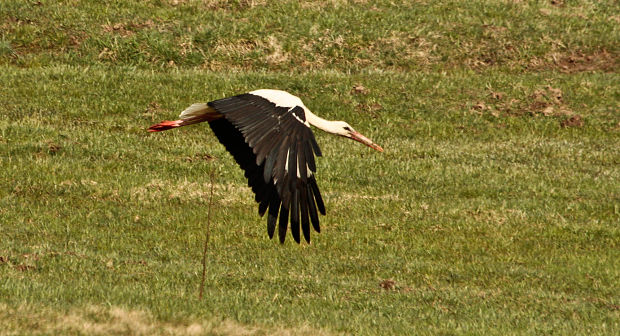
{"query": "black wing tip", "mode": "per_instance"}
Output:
(283, 223)
(264, 160)
(271, 225)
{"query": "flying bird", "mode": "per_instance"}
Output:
(268, 134)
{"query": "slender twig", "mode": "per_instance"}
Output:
(207, 234)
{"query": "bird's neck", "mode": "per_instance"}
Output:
(320, 123)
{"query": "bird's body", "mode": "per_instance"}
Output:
(268, 134)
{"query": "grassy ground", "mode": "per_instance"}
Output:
(493, 210)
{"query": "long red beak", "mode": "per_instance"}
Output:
(357, 136)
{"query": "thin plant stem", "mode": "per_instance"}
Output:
(207, 235)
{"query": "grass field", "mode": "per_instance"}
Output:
(494, 209)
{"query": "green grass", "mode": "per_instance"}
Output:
(493, 210)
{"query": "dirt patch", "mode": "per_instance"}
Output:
(53, 148)
(25, 268)
(324, 4)
(547, 102)
(574, 121)
(580, 62)
(388, 284)
(577, 61)
(224, 5)
(391, 285)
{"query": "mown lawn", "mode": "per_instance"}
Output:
(494, 209)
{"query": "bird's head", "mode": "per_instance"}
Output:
(343, 129)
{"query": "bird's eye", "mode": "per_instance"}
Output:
(347, 129)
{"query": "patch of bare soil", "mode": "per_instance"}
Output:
(577, 61)
(388, 284)
(225, 5)
(53, 148)
(546, 102)
(574, 121)
(391, 285)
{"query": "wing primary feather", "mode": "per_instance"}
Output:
(271, 160)
(285, 190)
(303, 205)
(255, 177)
(255, 131)
(301, 163)
(249, 119)
(262, 207)
(314, 216)
(315, 145)
(251, 132)
(281, 160)
(276, 149)
(265, 200)
(295, 215)
(272, 217)
(309, 156)
(264, 147)
(292, 160)
(283, 223)
(317, 195)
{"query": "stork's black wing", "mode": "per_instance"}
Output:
(275, 148)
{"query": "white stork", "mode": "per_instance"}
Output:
(268, 134)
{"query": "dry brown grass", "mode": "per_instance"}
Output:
(98, 320)
(235, 48)
(275, 54)
(577, 61)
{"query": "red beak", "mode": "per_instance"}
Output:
(359, 137)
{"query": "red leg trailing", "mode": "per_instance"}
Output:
(165, 125)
